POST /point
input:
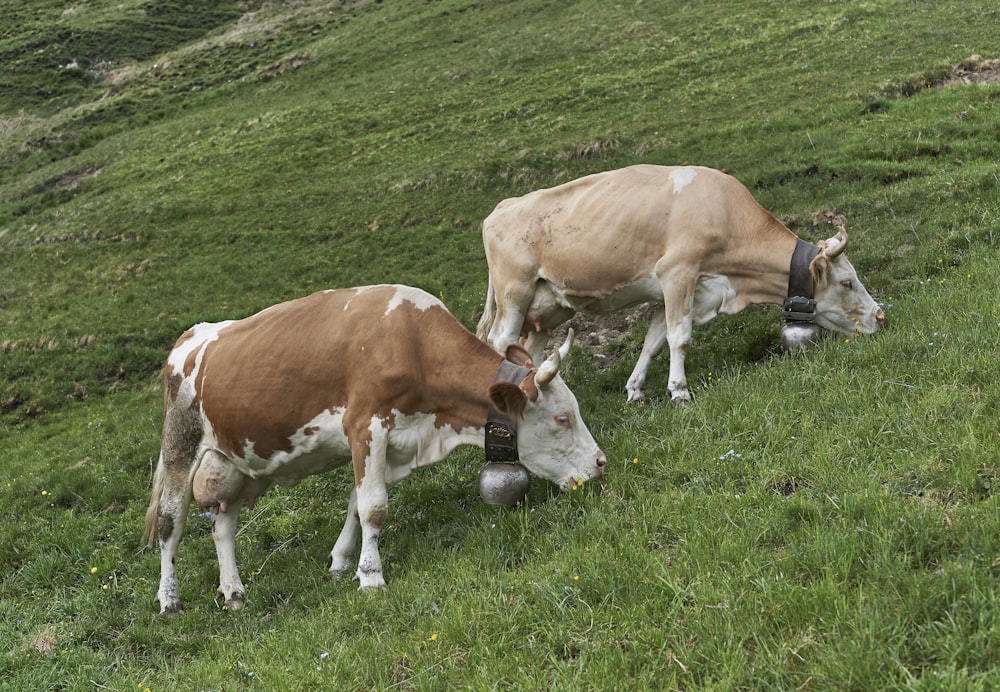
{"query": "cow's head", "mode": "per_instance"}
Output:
(553, 441)
(842, 302)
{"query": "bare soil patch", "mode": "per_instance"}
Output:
(973, 70)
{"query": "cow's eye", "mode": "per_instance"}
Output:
(562, 420)
(847, 283)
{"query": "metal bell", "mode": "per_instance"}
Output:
(799, 336)
(503, 484)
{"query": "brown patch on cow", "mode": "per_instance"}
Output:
(529, 386)
(190, 362)
(377, 516)
(164, 527)
(311, 430)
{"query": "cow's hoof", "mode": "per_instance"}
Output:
(339, 568)
(682, 400)
(171, 609)
(370, 581)
(234, 602)
(635, 396)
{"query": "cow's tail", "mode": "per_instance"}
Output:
(172, 481)
(153, 512)
(489, 313)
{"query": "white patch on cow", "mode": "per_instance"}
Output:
(713, 295)
(421, 300)
(318, 446)
(358, 290)
(202, 335)
(415, 441)
(682, 177)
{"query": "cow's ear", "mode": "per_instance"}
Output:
(508, 399)
(819, 268)
(518, 356)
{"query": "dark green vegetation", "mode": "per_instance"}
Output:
(199, 164)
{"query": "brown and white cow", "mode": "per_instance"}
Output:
(380, 376)
(690, 238)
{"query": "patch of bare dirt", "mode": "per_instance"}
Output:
(69, 181)
(593, 333)
(975, 69)
(287, 65)
(45, 642)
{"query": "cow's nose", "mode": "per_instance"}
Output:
(602, 461)
(880, 317)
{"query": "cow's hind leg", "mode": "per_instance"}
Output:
(171, 497)
(342, 555)
(170, 516)
(511, 310)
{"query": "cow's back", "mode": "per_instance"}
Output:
(622, 221)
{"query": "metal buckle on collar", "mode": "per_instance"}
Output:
(501, 442)
(799, 309)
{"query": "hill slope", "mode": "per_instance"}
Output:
(168, 163)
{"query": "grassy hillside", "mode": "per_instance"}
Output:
(168, 163)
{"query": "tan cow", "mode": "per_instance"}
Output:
(381, 376)
(690, 238)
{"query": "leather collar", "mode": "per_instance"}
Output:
(799, 305)
(501, 431)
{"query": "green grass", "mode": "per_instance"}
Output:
(827, 520)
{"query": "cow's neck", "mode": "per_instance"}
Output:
(759, 275)
(462, 384)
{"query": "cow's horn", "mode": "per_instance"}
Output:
(567, 345)
(550, 367)
(838, 243)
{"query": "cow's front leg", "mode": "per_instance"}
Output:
(372, 503)
(342, 555)
(679, 339)
(656, 337)
(678, 299)
(224, 526)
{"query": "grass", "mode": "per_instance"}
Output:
(827, 520)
